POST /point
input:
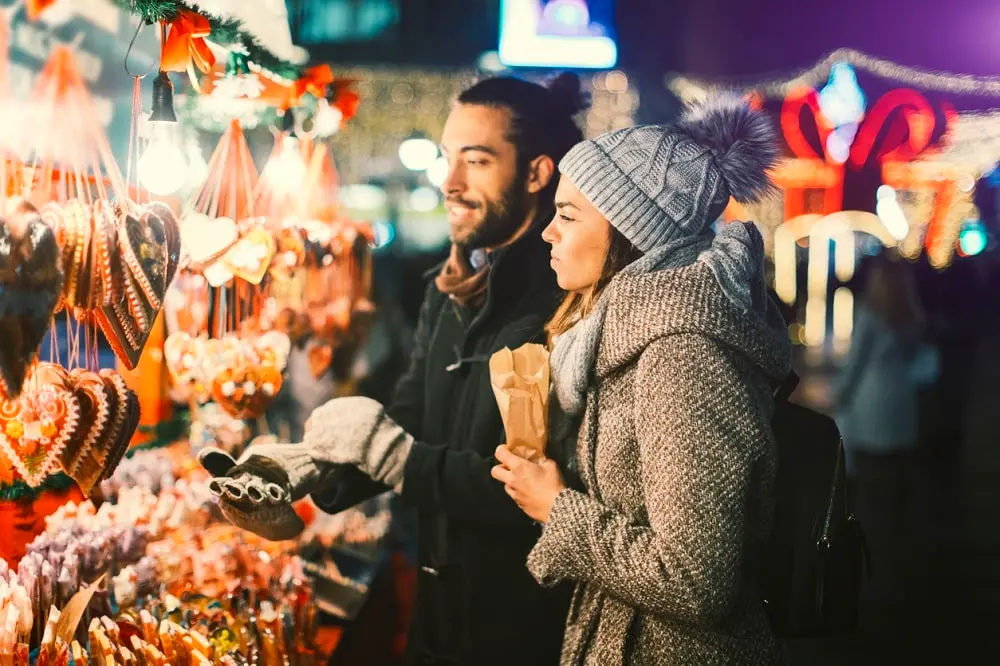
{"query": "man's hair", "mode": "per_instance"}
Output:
(541, 117)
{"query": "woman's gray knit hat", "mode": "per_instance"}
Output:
(659, 183)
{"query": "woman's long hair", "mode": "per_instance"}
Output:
(578, 305)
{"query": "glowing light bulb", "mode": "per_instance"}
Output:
(417, 153)
(286, 170)
(891, 214)
(162, 167)
(885, 192)
(438, 172)
(841, 100)
(837, 148)
(972, 240)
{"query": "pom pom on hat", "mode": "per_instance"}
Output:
(657, 184)
(743, 141)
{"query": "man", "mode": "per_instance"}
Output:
(476, 604)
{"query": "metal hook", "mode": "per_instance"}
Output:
(131, 45)
(300, 126)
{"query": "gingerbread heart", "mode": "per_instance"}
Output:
(67, 236)
(30, 289)
(182, 354)
(121, 445)
(250, 258)
(90, 467)
(273, 348)
(104, 242)
(35, 428)
(95, 418)
(146, 261)
(290, 253)
(144, 249)
(218, 274)
(204, 239)
(320, 359)
(158, 212)
(246, 391)
(76, 222)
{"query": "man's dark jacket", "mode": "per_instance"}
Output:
(476, 603)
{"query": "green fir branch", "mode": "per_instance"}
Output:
(225, 32)
(19, 490)
(167, 433)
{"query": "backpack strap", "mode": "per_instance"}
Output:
(786, 388)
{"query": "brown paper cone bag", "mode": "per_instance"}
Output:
(520, 381)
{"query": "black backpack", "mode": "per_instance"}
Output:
(811, 577)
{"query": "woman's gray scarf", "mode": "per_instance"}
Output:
(735, 256)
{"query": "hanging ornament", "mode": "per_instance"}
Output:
(148, 255)
(162, 166)
(30, 287)
(35, 427)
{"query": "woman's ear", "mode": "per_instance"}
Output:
(541, 170)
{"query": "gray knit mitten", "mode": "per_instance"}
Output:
(256, 492)
(357, 431)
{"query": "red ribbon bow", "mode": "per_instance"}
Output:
(313, 81)
(186, 43)
(34, 8)
(345, 99)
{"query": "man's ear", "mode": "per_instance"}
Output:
(541, 171)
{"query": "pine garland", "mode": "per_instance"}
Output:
(225, 32)
(12, 492)
(150, 11)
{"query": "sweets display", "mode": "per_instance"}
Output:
(146, 571)
(151, 576)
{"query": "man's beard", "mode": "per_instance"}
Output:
(501, 219)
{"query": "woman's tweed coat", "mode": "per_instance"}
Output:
(678, 459)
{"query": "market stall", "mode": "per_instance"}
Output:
(203, 290)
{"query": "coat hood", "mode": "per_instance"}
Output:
(689, 300)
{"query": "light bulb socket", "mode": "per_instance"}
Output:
(287, 121)
(163, 100)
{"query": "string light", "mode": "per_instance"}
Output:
(845, 256)
(972, 239)
(438, 172)
(843, 319)
(397, 101)
(692, 89)
(938, 184)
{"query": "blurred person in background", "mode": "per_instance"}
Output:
(476, 604)
(876, 400)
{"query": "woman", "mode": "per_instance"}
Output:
(877, 393)
(667, 363)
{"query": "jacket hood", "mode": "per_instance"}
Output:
(689, 300)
